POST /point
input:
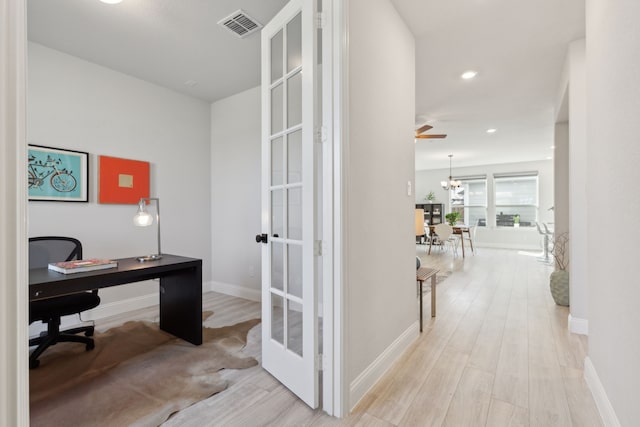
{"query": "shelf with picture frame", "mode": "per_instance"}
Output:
(433, 212)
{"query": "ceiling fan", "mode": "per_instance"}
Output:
(422, 129)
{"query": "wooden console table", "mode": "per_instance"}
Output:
(423, 274)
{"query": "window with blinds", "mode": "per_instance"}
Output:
(470, 200)
(516, 199)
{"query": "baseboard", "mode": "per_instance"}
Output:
(109, 309)
(370, 376)
(514, 246)
(578, 326)
(100, 312)
(123, 306)
(608, 415)
(237, 291)
(131, 304)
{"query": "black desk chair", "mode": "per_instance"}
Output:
(42, 251)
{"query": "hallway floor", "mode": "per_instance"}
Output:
(497, 354)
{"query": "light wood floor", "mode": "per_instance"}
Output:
(497, 354)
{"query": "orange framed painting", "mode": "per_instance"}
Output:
(122, 181)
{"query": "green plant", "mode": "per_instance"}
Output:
(516, 219)
(452, 218)
(431, 196)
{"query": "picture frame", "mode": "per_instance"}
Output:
(123, 181)
(57, 174)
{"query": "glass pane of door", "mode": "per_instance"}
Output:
(294, 43)
(286, 199)
(277, 318)
(276, 56)
(294, 327)
(294, 100)
(294, 157)
(277, 108)
(277, 162)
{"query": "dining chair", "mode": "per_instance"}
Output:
(446, 237)
(471, 237)
(545, 242)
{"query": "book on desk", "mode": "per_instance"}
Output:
(82, 265)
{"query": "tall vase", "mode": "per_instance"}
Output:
(559, 284)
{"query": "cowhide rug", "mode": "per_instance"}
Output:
(137, 375)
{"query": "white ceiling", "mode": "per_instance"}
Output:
(516, 46)
(167, 42)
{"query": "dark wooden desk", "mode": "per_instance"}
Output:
(180, 288)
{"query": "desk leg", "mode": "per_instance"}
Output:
(471, 242)
(462, 243)
(181, 304)
(433, 296)
(430, 243)
(420, 305)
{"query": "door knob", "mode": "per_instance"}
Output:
(261, 238)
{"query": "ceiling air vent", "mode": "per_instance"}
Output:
(240, 24)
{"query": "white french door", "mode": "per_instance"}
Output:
(289, 291)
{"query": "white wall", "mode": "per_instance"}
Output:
(572, 91)
(379, 252)
(78, 105)
(613, 158)
(578, 212)
(561, 178)
(490, 236)
(235, 189)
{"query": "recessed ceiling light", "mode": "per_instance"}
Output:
(553, 147)
(111, 1)
(469, 74)
(549, 158)
(492, 130)
(190, 83)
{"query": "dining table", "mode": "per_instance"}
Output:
(459, 229)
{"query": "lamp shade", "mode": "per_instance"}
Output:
(142, 218)
(419, 222)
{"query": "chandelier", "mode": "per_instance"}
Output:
(451, 184)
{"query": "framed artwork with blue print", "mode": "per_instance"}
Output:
(56, 174)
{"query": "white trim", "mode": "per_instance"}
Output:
(578, 325)
(122, 306)
(236, 291)
(514, 246)
(102, 311)
(340, 77)
(607, 413)
(116, 308)
(367, 379)
(325, 305)
(14, 387)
